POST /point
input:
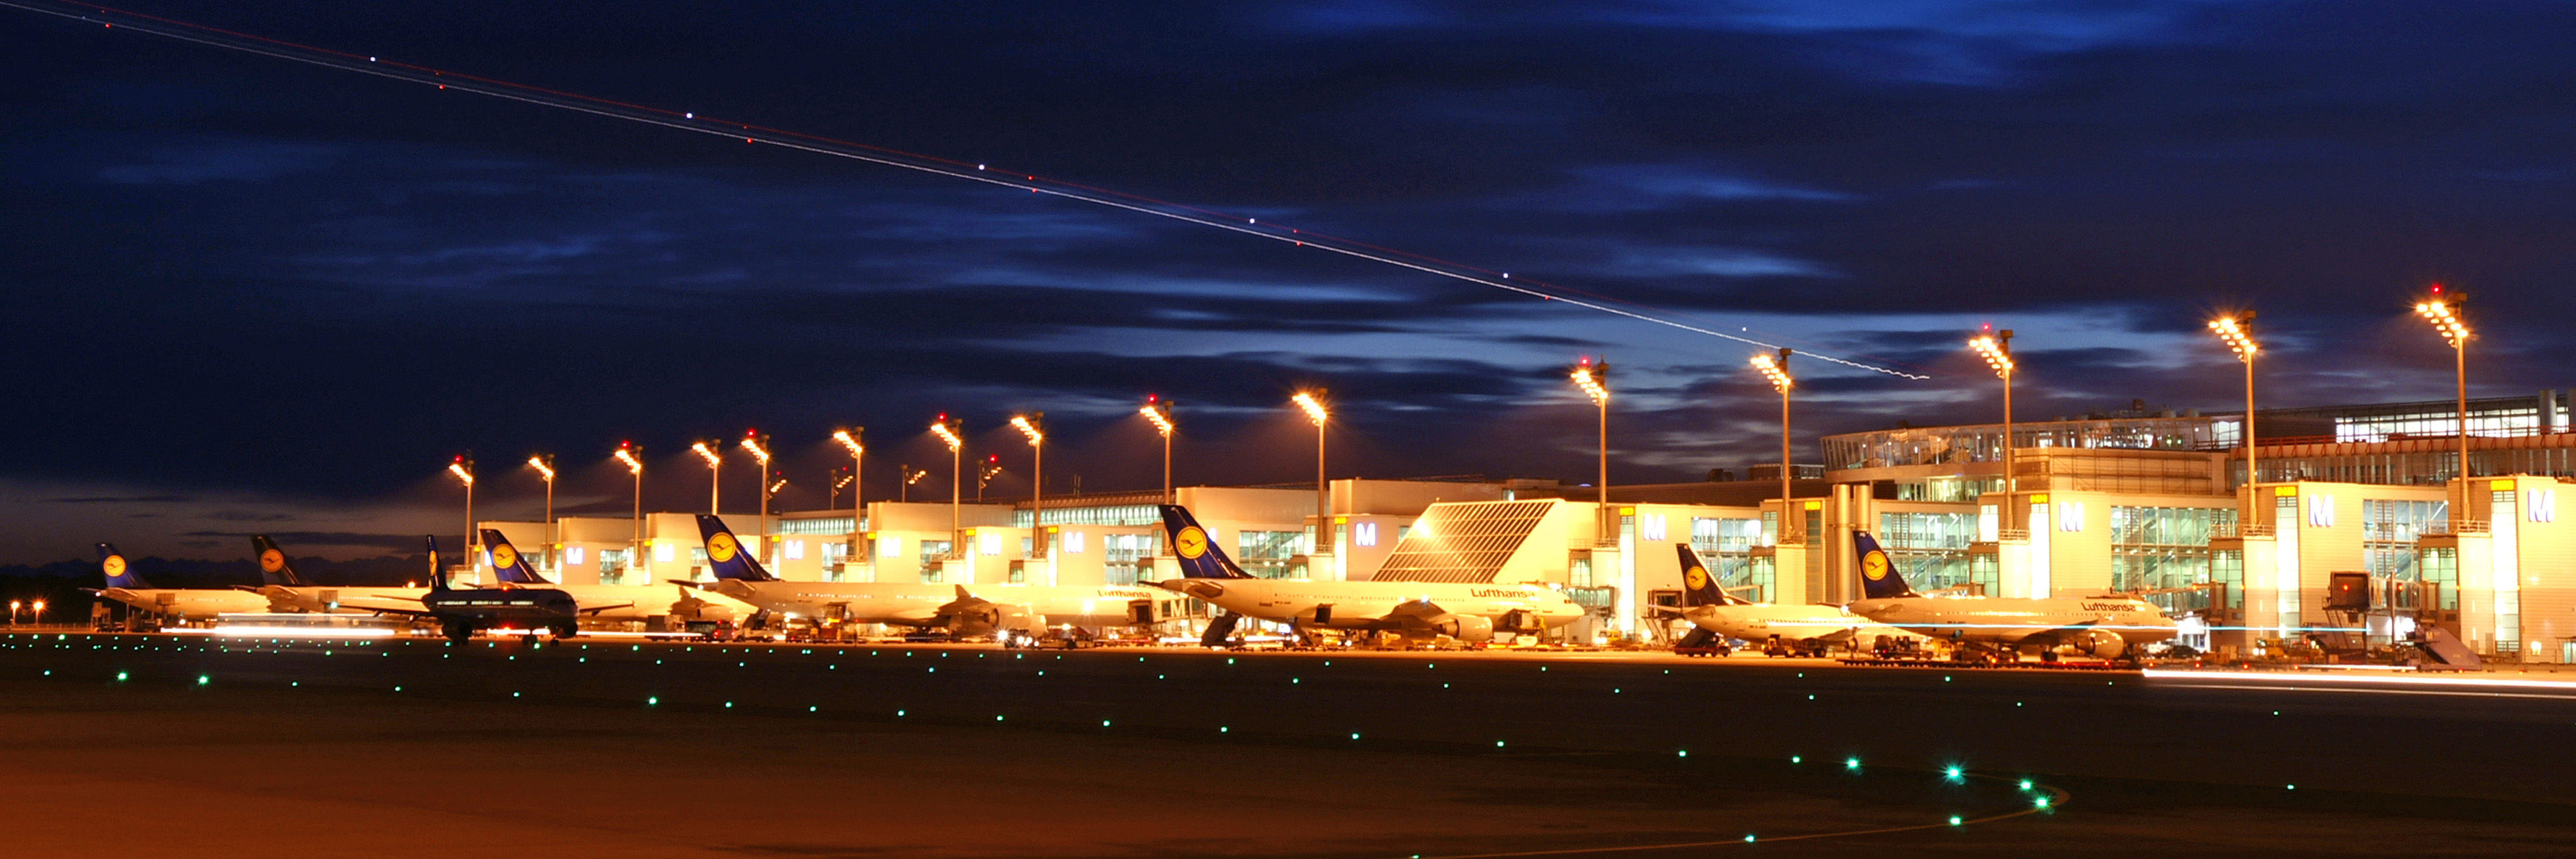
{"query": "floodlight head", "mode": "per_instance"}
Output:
(2237, 334)
(1312, 402)
(1159, 412)
(1775, 371)
(1591, 378)
(2440, 312)
(1997, 350)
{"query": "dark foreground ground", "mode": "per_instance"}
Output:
(631, 750)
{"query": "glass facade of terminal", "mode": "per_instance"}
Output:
(2388, 531)
(1727, 545)
(1984, 442)
(2167, 549)
(1268, 554)
(1931, 549)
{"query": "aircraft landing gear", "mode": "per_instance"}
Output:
(566, 630)
(457, 631)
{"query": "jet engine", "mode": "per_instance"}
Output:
(1466, 627)
(2101, 643)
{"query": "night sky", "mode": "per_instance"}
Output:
(253, 295)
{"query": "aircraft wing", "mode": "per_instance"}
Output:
(595, 609)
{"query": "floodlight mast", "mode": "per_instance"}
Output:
(1312, 402)
(706, 450)
(1159, 411)
(463, 468)
(1777, 371)
(1594, 380)
(544, 463)
(1031, 425)
(947, 430)
(1996, 348)
(2440, 310)
(631, 454)
(2237, 331)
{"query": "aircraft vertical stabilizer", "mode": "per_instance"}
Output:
(726, 556)
(274, 568)
(1878, 576)
(111, 563)
(1199, 556)
(508, 565)
(1699, 586)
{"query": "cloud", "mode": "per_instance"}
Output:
(122, 499)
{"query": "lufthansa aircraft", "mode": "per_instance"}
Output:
(286, 589)
(463, 612)
(615, 602)
(185, 603)
(2109, 626)
(1800, 629)
(962, 610)
(1463, 611)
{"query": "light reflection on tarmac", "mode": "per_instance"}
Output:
(642, 749)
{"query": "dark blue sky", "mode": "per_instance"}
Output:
(250, 294)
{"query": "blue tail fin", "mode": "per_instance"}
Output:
(1878, 576)
(437, 572)
(1199, 556)
(112, 563)
(507, 564)
(1699, 586)
(726, 556)
(274, 568)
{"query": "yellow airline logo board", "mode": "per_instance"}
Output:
(1191, 543)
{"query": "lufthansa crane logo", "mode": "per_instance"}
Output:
(1191, 543)
(1696, 577)
(505, 556)
(271, 561)
(115, 565)
(721, 546)
(1873, 566)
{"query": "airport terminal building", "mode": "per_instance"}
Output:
(2367, 497)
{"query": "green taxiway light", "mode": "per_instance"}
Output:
(1498, 744)
(1748, 838)
(1797, 759)
(2025, 784)
(201, 679)
(1954, 820)
(2041, 802)
(1684, 753)
(1851, 763)
(1104, 723)
(1355, 735)
(1952, 773)
(120, 676)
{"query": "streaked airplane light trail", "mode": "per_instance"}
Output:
(689, 121)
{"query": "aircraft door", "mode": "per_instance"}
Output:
(1324, 614)
(1141, 613)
